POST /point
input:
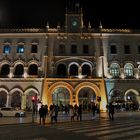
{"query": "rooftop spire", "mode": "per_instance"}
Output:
(100, 26)
(73, 6)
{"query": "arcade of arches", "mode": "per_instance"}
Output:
(17, 98)
(130, 100)
(64, 93)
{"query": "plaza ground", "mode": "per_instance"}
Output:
(125, 126)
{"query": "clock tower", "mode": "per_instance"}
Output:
(74, 18)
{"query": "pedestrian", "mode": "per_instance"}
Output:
(111, 111)
(53, 114)
(94, 109)
(71, 113)
(56, 109)
(42, 114)
(79, 113)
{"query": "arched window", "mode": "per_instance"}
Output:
(61, 70)
(5, 70)
(128, 70)
(73, 49)
(19, 70)
(33, 69)
(61, 49)
(115, 70)
(34, 49)
(73, 70)
(86, 70)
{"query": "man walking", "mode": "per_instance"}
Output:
(111, 111)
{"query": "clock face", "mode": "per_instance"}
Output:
(74, 23)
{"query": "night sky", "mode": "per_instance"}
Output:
(36, 13)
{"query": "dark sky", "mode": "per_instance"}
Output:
(35, 13)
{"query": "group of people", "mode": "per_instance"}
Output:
(43, 111)
(76, 111)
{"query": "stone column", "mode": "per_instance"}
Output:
(23, 102)
(11, 72)
(122, 73)
(25, 72)
(8, 100)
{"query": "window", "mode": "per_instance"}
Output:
(73, 49)
(85, 49)
(34, 49)
(128, 70)
(139, 70)
(61, 49)
(139, 49)
(127, 49)
(5, 70)
(20, 49)
(6, 49)
(115, 70)
(113, 49)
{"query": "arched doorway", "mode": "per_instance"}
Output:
(61, 97)
(132, 100)
(16, 99)
(86, 97)
(29, 96)
(117, 97)
(3, 98)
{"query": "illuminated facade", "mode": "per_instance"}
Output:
(73, 64)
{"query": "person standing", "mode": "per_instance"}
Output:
(42, 115)
(111, 111)
(53, 114)
(94, 108)
(79, 113)
(71, 113)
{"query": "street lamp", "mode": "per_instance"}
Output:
(33, 107)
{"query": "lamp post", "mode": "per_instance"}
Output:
(33, 107)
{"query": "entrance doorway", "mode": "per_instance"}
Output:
(3, 98)
(132, 101)
(61, 97)
(86, 97)
(29, 105)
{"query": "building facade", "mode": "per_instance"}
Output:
(72, 65)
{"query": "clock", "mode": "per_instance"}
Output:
(74, 23)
